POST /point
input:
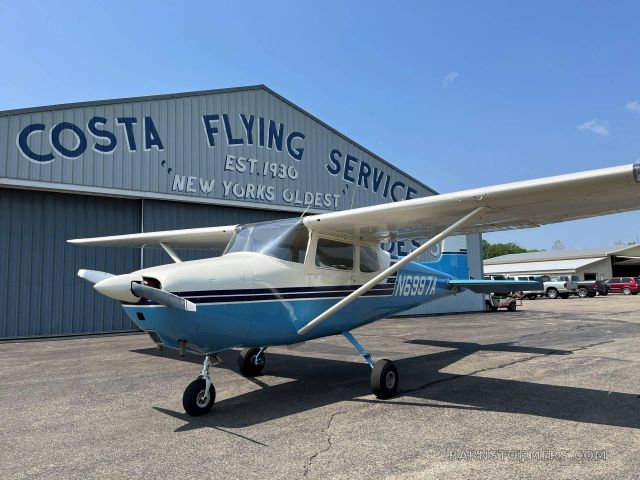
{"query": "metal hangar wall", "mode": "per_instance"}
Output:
(194, 159)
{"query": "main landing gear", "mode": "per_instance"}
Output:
(251, 361)
(384, 374)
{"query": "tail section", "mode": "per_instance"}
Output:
(453, 257)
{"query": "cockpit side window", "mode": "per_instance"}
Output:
(334, 254)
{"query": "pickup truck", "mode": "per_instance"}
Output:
(562, 286)
(591, 288)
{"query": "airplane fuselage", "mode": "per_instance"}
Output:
(251, 300)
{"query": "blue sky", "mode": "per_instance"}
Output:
(458, 94)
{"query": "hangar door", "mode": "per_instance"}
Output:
(40, 293)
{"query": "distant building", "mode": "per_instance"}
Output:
(588, 263)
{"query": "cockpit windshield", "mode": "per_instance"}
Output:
(283, 239)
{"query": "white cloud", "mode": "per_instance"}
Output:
(449, 78)
(596, 126)
(633, 106)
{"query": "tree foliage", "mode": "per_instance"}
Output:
(490, 250)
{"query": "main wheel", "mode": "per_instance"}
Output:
(626, 291)
(552, 293)
(249, 364)
(193, 399)
(384, 379)
(583, 292)
(512, 307)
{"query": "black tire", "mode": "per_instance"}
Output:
(512, 307)
(583, 292)
(626, 291)
(604, 294)
(193, 395)
(247, 363)
(565, 295)
(552, 293)
(384, 379)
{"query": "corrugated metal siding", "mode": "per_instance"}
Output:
(179, 123)
(159, 215)
(40, 293)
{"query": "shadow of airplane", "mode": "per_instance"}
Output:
(319, 382)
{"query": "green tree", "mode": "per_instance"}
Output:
(490, 250)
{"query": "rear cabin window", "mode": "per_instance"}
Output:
(369, 260)
(334, 254)
(626, 280)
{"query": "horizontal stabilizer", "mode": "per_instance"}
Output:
(496, 286)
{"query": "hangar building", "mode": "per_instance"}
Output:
(217, 157)
(588, 263)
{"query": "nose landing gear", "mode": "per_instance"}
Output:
(199, 396)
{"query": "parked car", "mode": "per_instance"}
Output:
(591, 288)
(626, 285)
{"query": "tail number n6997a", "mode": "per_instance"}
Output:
(412, 285)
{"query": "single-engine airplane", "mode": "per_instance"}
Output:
(289, 281)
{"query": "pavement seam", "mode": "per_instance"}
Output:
(325, 431)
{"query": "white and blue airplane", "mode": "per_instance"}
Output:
(289, 281)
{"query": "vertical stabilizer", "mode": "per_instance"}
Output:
(453, 257)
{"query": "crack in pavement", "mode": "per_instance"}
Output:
(325, 430)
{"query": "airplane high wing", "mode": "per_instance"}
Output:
(208, 238)
(524, 204)
(201, 238)
(513, 205)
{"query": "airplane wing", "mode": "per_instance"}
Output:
(200, 238)
(524, 204)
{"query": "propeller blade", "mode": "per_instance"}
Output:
(163, 298)
(93, 276)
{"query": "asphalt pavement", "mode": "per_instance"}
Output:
(549, 391)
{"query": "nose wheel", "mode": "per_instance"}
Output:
(200, 395)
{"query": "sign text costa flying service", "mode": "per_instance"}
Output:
(69, 140)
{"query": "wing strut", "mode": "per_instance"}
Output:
(390, 271)
(171, 252)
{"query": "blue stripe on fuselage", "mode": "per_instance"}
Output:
(260, 317)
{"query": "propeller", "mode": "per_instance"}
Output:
(93, 276)
(127, 288)
(163, 298)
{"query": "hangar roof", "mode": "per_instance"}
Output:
(554, 255)
(552, 266)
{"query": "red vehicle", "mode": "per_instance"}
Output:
(626, 285)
